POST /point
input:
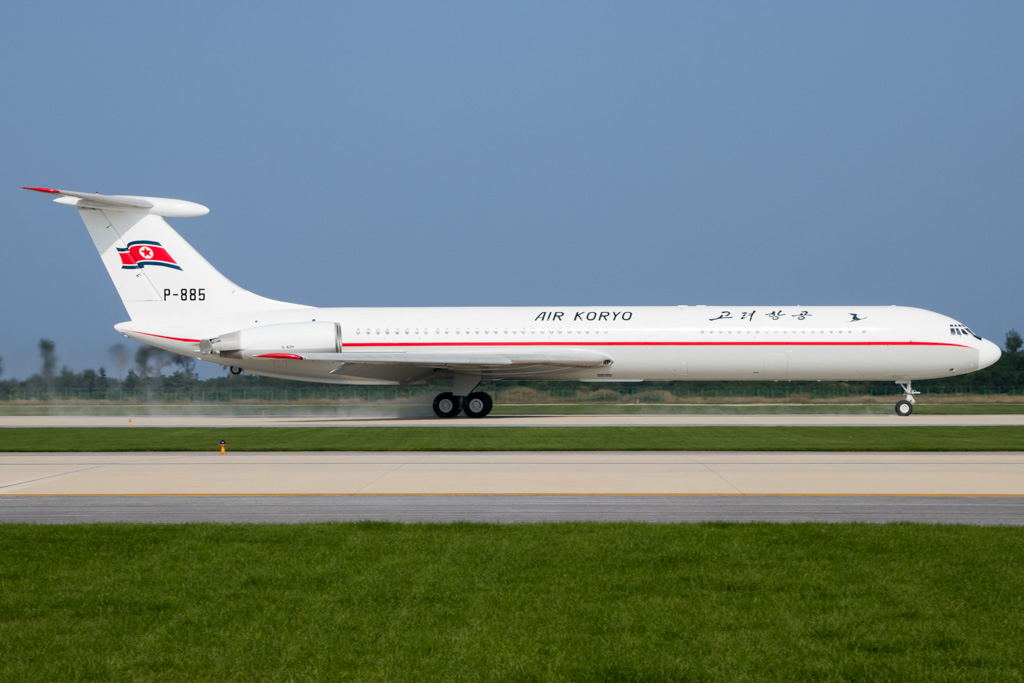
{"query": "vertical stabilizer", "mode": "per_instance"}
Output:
(157, 273)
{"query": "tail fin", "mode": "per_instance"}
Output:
(157, 273)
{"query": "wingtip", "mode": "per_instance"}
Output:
(41, 189)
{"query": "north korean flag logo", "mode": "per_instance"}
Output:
(145, 253)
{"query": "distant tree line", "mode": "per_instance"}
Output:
(152, 371)
(146, 370)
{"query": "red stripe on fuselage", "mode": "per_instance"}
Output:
(610, 343)
(657, 343)
(160, 336)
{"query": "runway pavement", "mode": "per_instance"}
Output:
(362, 420)
(512, 509)
(512, 473)
(509, 486)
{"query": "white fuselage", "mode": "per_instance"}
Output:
(178, 301)
(642, 343)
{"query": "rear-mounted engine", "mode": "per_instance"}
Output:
(282, 340)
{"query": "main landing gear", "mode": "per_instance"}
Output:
(477, 404)
(463, 399)
(906, 406)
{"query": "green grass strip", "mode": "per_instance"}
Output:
(1002, 438)
(590, 602)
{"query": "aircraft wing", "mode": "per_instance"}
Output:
(467, 361)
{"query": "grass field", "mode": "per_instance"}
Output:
(602, 602)
(1000, 438)
(467, 602)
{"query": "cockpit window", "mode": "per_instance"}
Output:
(959, 329)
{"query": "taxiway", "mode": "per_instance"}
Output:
(981, 510)
(973, 488)
(512, 473)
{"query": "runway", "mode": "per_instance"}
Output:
(513, 486)
(861, 419)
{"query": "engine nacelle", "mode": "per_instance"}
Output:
(284, 339)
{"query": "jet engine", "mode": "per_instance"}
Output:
(284, 339)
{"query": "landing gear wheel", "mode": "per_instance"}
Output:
(447, 405)
(904, 408)
(478, 404)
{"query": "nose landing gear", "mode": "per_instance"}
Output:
(906, 406)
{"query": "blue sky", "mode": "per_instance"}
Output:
(529, 153)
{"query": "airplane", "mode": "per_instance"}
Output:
(179, 302)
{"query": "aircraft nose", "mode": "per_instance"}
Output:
(988, 353)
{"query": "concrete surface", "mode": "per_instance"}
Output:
(513, 473)
(819, 420)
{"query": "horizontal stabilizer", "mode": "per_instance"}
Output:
(157, 206)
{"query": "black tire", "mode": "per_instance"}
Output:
(447, 405)
(477, 404)
(904, 408)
